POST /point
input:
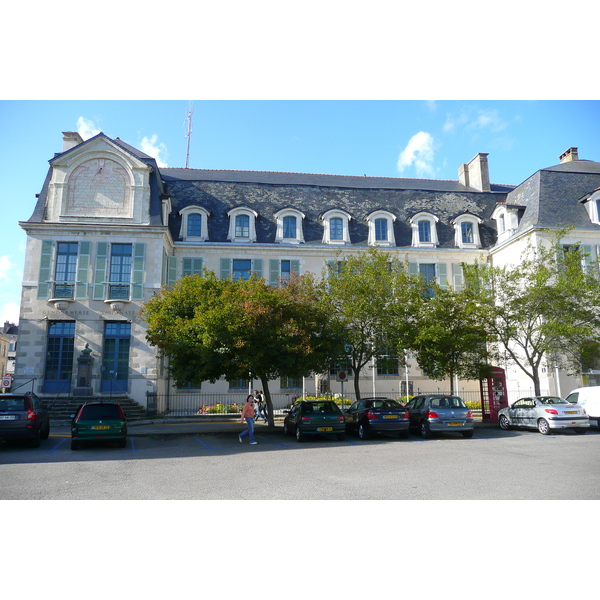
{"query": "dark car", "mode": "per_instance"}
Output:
(440, 413)
(99, 421)
(376, 415)
(23, 417)
(314, 417)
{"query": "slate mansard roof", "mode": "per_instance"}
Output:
(313, 194)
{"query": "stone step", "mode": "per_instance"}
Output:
(62, 408)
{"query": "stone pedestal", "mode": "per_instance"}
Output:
(84, 373)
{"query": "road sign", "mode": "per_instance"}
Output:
(341, 376)
(7, 381)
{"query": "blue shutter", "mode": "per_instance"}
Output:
(137, 279)
(295, 267)
(225, 268)
(257, 267)
(45, 269)
(273, 271)
(413, 268)
(172, 270)
(100, 271)
(83, 268)
(457, 276)
(442, 275)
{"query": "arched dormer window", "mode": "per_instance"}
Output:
(466, 231)
(507, 219)
(289, 226)
(335, 226)
(592, 205)
(424, 231)
(242, 224)
(381, 228)
(194, 224)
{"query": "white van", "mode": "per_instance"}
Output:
(589, 398)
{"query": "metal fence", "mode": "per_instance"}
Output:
(198, 404)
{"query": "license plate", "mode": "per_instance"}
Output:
(390, 416)
(324, 428)
(100, 426)
(454, 424)
(8, 417)
(570, 412)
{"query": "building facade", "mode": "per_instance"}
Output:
(110, 228)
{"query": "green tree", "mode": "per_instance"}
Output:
(211, 327)
(452, 336)
(375, 302)
(546, 307)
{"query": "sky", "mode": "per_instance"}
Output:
(406, 138)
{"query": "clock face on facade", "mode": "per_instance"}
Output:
(99, 188)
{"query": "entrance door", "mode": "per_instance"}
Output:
(115, 358)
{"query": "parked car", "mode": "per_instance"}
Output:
(589, 398)
(98, 421)
(544, 413)
(376, 415)
(314, 417)
(23, 417)
(440, 413)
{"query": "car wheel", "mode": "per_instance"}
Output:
(46, 431)
(425, 429)
(286, 429)
(580, 430)
(299, 435)
(467, 434)
(543, 427)
(74, 445)
(504, 422)
(363, 434)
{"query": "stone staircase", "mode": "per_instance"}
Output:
(62, 408)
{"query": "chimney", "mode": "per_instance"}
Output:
(70, 140)
(475, 174)
(569, 155)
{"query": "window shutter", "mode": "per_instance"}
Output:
(45, 269)
(186, 267)
(273, 271)
(295, 267)
(100, 271)
(413, 268)
(587, 259)
(172, 270)
(257, 267)
(83, 267)
(225, 268)
(137, 280)
(442, 275)
(457, 276)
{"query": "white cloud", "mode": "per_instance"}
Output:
(475, 119)
(86, 128)
(156, 150)
(9, 312)
(419, 152)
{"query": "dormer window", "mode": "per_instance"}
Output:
(507, 219)
(424, 230)
(592, 205)
(466, 228)
(381, 228)
(335, 224)
(194, 224)
(289, 226)
(242, 225)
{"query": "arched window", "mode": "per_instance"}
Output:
(335, 227)
(424, 231)
(466, 231)
(289, 226)
(381, 228)
(194, 224)
(242, 224)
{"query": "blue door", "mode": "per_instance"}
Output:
(115, 358)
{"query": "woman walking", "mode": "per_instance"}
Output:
(248, 414)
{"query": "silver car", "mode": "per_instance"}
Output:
(440, 413)
(544, 413)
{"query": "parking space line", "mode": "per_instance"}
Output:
(260, 437)
(203, 443)
(62, 441)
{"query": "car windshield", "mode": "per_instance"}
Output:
(447, 402)
(97, 412)
(552, 400)
(322, 407)
(382, 404)
(12, 404)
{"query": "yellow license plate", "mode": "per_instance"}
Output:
(100, 426)
(570, 412)
(390, 416)
(324, 428)
(454, 424)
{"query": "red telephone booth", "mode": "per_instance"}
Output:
(493, 394)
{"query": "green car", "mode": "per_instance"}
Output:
(314, 417)
(98, 421)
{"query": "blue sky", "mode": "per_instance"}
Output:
(428, 139)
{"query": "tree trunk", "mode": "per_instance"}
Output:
(265, 390)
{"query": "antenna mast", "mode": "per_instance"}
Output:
(188, 133)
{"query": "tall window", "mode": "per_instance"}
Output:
(428, 272)
(424, 231)
(241, 268)
(115, 357)
(336, 228)
(66, 267)
(289, 227)
(194, 225)
(59, 356)
(466, 228)
(381, 230)
(242, 226)
(120, 270)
